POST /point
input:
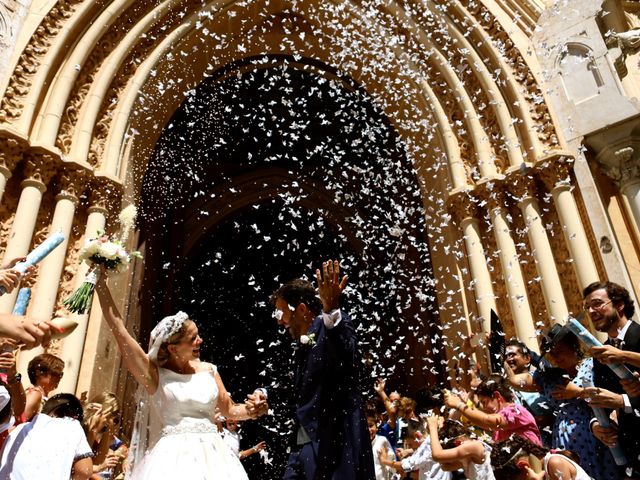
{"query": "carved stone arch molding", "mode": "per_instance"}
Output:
(97, 83)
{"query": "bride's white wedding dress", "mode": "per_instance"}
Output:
(188, 445)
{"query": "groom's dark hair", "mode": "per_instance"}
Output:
(296, 292)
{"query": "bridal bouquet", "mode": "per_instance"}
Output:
(108, 252)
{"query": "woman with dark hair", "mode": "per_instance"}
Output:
(499, 413)
(562, 384)
(459, 449)
(45, 372)
(510, 461)
(174, 435)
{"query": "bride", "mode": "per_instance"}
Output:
(174, 436)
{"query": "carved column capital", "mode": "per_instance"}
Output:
(105, 195)
(521, 185)
(11, 150)
(40, 167)
(72, 183)
(492, 194)
(622, 165)
(462, 205)
(555, 170)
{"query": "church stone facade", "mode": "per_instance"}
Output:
(525, 130)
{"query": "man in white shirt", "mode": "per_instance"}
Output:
(48, 447)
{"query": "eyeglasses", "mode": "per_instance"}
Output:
(278, 314)
(595, 304)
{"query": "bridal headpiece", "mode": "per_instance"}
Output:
(163, 331)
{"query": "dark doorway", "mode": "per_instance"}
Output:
(270, 167)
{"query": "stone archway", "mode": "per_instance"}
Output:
(258, 177)
(92, 86)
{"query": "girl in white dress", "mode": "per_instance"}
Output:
(174, 435)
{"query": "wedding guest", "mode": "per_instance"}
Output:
(332, 439)
(101, 422)
(379, 443)
(53, 446)
(10, 376)
(611, 308)
(563, 385)
(510, 460)
(45, 372)
(499, 413)
(232, 437)
(459, 449)
(389, 427)
(421, 460)
(518, 359)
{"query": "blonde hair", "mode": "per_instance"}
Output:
(163, 353)
(101, 402)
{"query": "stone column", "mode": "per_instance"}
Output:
(72, 183)
(74, 343)
(524, 189)
(555, 175)
(464, 208)
(623, 167)
(513, 277)
(10, 154)
(39, 168)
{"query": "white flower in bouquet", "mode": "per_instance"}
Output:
(308, 339)
(108, 250)
(105, 251)
(89, 250)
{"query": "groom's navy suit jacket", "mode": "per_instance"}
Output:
(329, 402)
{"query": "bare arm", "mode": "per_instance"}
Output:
(250, 451)
(558, 468)
(471, 449)
(520, 381)
(389, 461)
(388, 404)
(82, 469)
(134, 357)
(487, 421)
(33, 401)
(233, 410)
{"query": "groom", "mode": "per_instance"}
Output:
(331, 442)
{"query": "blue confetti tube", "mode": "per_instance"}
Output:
(22, 301)
(616, 451)
(37, 254)
(590, 341)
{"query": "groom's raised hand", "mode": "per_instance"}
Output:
(329, 285)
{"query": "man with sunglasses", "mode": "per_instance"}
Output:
(331, 438)
(610, 308)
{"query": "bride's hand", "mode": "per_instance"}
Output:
(257, 404)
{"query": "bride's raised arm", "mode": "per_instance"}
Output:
(135, 358)
(237, 411)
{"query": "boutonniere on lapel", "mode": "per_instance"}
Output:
(309, 340)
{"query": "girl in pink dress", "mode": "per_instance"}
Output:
(499, 414)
